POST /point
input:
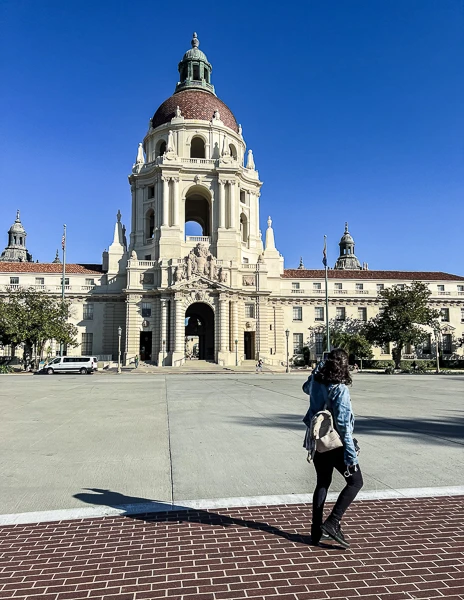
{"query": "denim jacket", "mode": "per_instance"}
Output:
(338, 401)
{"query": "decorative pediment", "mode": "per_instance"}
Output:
(200, 264)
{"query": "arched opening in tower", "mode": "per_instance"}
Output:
(197, 214)
(244, 228)
(197, 148)
(149, 223)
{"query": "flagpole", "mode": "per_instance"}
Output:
(63, 245)
(327, 329)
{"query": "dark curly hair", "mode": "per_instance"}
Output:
(335, 368)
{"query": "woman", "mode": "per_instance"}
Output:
(327, 387)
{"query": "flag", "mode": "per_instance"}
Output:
(63, 239)
(324, 252)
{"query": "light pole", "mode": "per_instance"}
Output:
(287, 333)
(437, 348)
(236, 353)
(164, 348)
(119, 348)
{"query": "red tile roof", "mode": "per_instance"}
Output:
(31, 267)
(342, 274)
(194, 104)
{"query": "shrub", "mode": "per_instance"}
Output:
(298, 360)
(390, 370)
(6, 369)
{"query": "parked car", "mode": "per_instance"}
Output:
(72, 364)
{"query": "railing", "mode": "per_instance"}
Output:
(199, 161)
(340, 292)
(14, 286)
(86, 288)
(249, 266)
(316, 291)
(297, 291)
(146, 263)
(461, 293)
(195, 239)
(67, 288)
(441, 293)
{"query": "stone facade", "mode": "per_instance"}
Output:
(225, 288)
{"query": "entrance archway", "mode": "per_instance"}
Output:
(199, 322)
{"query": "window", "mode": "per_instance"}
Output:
(196, 72)
(408, 349)
(39, 281)
(362, 314)
(297, 342)
(87, 343)
(66, 281)
(197, 148)
(319, 313)
(441, 288)
(245, 261)
(338, 286)
(297, 313)
(295, 285)
(460, 289)
(340, 314)
(146, 309)
(386, 348)
(319, 338)
(88, 312)
(317, 286)
(242, 197)
(380, 287)
(400, 286)
(14, 280)
(447, 343)
(445, 315)
(427, 345)
(90, 282)
(359, 287)
(249, 311)
(151, 191)
(147, 257)
(462, 315)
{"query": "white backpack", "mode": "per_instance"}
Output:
(322, 434)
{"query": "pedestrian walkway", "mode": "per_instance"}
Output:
(400, 549)
(202, 367)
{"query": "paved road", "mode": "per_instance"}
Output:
(180, 437)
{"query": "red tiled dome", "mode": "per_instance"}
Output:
(194, 104)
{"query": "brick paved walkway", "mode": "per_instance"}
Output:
(400, 549)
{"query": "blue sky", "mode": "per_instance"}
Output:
(353, 109)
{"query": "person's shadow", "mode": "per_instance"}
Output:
(143, 509)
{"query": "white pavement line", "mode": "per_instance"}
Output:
(244, 501)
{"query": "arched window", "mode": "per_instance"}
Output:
(150, 223)
(197, 148)
(21, 241)
(242, 197)
(196, 72)
(244, 227)
(160, 148)
(233, 151)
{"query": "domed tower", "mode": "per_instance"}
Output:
(16, 250)
(195, 219)
(347, 259)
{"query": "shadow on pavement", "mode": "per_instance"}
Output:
(178, 514)
(437, 430)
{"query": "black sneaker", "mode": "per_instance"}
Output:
(317, 535)
(332, 528)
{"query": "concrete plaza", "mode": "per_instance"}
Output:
(70, 441)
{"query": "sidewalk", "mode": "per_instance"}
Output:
(400, 549)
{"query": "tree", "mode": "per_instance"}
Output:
(402, 313)
(32, 317)
(349, 335)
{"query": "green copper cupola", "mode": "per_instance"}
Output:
(195, 70)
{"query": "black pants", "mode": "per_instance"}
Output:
(325, 463)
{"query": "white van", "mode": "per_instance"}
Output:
(72, 364)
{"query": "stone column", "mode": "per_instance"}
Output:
(221, 203)
(224, 321)
(165, 216)
(163, 332)
(175, 218)
(179, 339)
(235, 324)
(233, 219)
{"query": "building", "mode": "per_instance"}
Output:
(224, 289)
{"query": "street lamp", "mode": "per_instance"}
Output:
(119, 348)
(164, 348)
(236, 353)
(287, 333)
